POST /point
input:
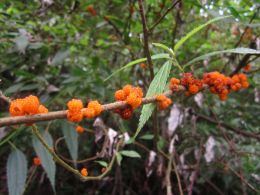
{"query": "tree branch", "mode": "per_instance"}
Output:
(146, 39)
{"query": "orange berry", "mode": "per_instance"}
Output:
(31, 104)
(79, 129)
(75, 105)
(36, 161)
(127, 89)
(96, 106)
(138, 91)
(75, 116)
(160, 97)
(247, 67)
(222, 97)
(242, 77)
(235, 78)
(91, 10)
(120, 95)
(126, 113)
(143, 65)
(245, 84)
(16, 107)
(133, 100)
(103, 170)
(175, 81)
(42, 109)
(193, 89)
(89, 113)
(84, 172)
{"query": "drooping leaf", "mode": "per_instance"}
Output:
(156, 87)
(130, 153)
(46, 159)
(130, 64)
(236, 50)
(195, 30)
(71, 139)
(102, 163)
(16, 172)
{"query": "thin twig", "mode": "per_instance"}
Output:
(168, 176)
(57, 159)
(163, 16)
(178, 176)
(5, 98)
(228, 127)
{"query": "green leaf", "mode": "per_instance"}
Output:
(130, 64)
(234, 12)
(147, 137)
(119, 158)
(14, 88)
(102, 163)
(16, 172)
(194, 31)
(60, 56)
(169, 50)
(21, 43)
(71, 139)
(46, 159)
(130, 153)
(236, 50)
(156, 87)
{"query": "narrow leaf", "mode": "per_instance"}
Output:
(194, 31)
(147, 137)
(156, 87)
(236, 50)
(71, 139)
(130, 64)
(16, 172)
(130, 153)
(46, 158)
(169, 50)
(102, 163)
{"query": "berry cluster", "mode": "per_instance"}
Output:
(192, 85)
(76, 112)
(133, 97)
(27, 106)
(218, 83)
(222, 85)
(163, 101)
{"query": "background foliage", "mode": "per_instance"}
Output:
(58, 50)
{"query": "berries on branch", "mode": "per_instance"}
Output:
(133, 96)
(127, 99)
(26, 106)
